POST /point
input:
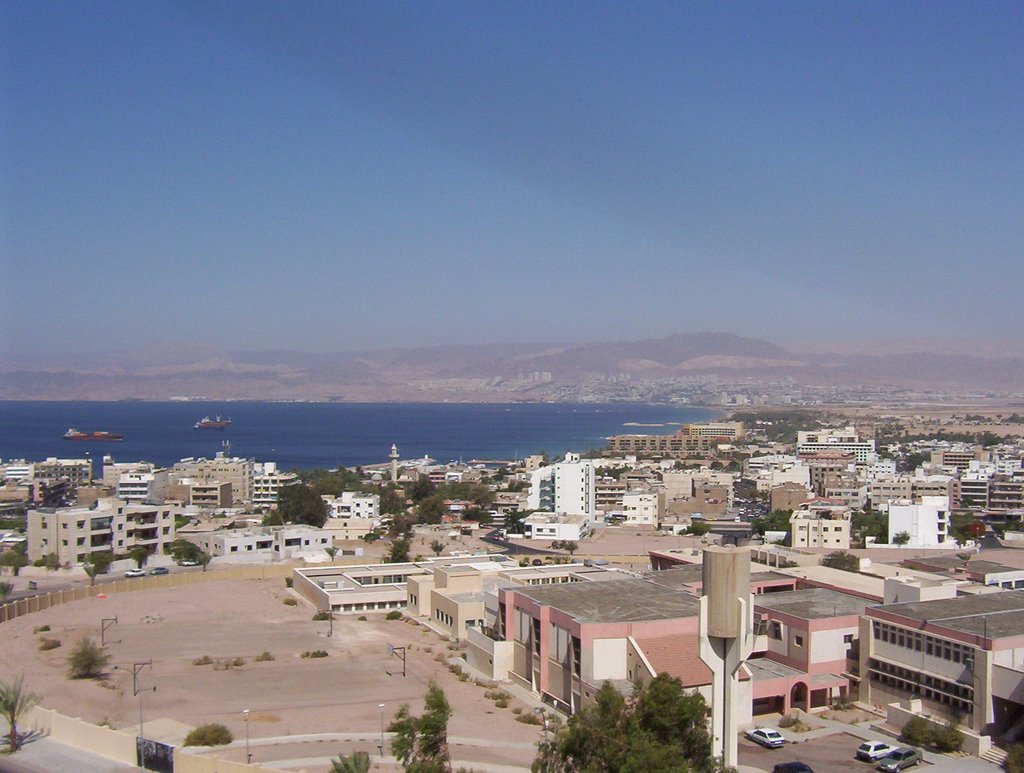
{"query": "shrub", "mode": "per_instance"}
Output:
(517, 710)
(394, 614)
(263, 657)
(87, 660)
(502, 704)
(361, 617)
(205, 660)
(842, 703)
(948, 739)
(1014, 759)
(238, 662)
(49, 644)
(917, 731)
(212, 734)
(290, 602)
(321, 616)
(789, 720)
(315, 654)
(41, 629)
(529, 718)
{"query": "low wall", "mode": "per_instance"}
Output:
(15, 609)
(898, 714)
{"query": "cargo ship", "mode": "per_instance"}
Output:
(74, 434)
(207, 423)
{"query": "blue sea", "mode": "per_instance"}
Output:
(306, 435)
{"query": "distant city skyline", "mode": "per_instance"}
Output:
(365, 176)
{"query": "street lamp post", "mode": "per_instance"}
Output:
(136, 690)
(381, 707)
(544, 720)
(248, 754)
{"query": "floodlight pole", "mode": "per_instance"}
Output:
(136, 690)
(381, 707)
(105, 623)
(248, 754)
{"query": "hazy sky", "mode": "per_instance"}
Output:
(339, 175)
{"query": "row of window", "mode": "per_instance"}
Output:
(953, 694)
(919, 642)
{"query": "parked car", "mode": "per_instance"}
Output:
(767, 737)
(900, 759)
(135, 573)
(792, 767)
(872, 751)
(160, 570)
(188, 562)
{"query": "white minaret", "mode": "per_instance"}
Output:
(726, 640)
(394, 462)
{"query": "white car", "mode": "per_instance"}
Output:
(872, 751)
(767, 737)
(135, 573)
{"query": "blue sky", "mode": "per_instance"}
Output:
(332, 176)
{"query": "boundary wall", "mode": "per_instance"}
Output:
(16, 609)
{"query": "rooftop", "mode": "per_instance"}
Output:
(616, 601)
(993, 615)
(811, 603)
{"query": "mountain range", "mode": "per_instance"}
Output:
(487, 372)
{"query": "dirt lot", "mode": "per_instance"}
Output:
(240, 619)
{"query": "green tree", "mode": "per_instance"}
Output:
(698, 528)
(203, 558)
(358, 762)
(421, 743)
(421, 489)
(776, 520)
(437, 546)
(6, 589)
(661, 728)
(391, 501)
(840, 559)
(212, 734)
(398, 553)
(917, 732)
(87, 660)
(901, 538)
(15, 559)
(430, 509)
(570, 547)
(138, 554)
(51, 561)
(332, 552)
(15, 703)
(183, 550)
(1014, 759)
(299, 503)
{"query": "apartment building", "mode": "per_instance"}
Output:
(643, 508)
(906, 488)
(113, 525)
(565, 487)
(820, 524)
(823, 464)
(222, 468)
(204, 494)
(353, 504)
(959, 457)
(832, 440)
(269, 542)
(608, 493)
(691, 439)
(267, 482)
(139, 486)
(77, 471)
(927, 522)
(962, 657)
(847, 489)
(788, 496)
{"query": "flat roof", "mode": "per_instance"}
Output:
(679, 576)
(811, 603)
(993, 615)
(616, 601)
(762, 668)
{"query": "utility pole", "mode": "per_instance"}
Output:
(136, 690)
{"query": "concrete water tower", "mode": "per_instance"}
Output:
(726, 639)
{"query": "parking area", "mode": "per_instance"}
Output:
(824, 754)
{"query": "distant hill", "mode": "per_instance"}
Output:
(489, 372)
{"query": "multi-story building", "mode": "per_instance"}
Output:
(353, 504)
(823, 464)
(222, 468)
(962, 657)
(927, 523)
(608, 493)
(643, 508)
(270, 542)
(906, 488)
(555, 526)
(267, 482)
(691, 439)
(113, 525)
(205, 494)
(846, 488)
(970, 491)
(1006, 492)
(960, 456)
(149, 486)
(825, 440)
(820, 524)
(77, 471)
(564, 487)
(788, 496)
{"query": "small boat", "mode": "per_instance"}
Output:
(207, 423)
(74, 434)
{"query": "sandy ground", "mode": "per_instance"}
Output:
(240, 619)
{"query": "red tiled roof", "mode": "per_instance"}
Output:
(679, 656)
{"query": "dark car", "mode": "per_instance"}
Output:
(792, 767)
(160, 570)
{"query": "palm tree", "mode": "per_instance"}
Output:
(359, 762)
(332, 552)
(6, 589)
(15, 703)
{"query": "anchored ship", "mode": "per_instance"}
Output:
(207, 423)
(74, 434)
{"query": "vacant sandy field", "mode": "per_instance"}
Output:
(240, 619)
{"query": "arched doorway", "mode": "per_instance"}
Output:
(798, 696)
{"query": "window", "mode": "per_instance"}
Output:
(775, 630)
(848, 638)
(798, 640)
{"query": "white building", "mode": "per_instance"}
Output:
(267, 482)
(557, 527)
(353, 504)
(814, 441)
(564, 487)
(642, 508)
(140, 486)
(927, 523)
(265, 542)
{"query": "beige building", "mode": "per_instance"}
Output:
(820, 525)
(643, 508)
(208, 495)
(73, 533)
(223, 469)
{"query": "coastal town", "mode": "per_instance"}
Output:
(881, 581)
